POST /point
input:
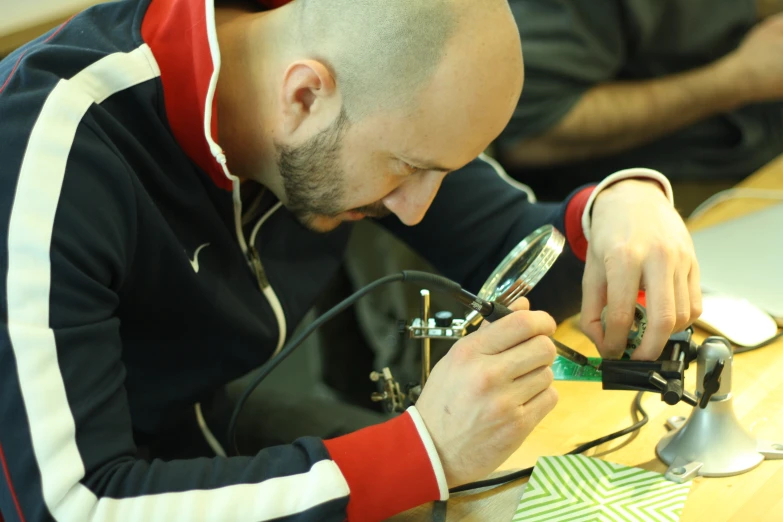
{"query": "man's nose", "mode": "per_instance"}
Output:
(411, 200)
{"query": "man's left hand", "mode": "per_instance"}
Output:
(638, 241)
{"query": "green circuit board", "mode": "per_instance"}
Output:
(566, 370)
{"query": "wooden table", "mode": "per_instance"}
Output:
(585, 412)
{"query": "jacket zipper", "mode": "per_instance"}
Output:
(258, 268)
(254, 260)
(252, 256)
(250, 253)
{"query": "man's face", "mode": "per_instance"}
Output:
(394, 160)
(314, 180)
(390, 162)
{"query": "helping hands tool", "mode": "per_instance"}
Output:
(666, 375)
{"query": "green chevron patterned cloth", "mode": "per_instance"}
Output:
(575, 488)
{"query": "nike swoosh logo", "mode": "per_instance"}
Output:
(194, 261)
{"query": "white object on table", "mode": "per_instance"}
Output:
(736, 319)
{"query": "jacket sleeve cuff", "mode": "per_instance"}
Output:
(432, 453)
(638, 173)
(573, 222)
(389, 468)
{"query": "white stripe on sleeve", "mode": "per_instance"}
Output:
(52, 426)
(432, 452)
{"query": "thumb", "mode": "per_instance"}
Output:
(593, 301)
(520, 304)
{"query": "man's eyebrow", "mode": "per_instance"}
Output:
(426, 165)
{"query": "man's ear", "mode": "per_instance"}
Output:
(308, 96)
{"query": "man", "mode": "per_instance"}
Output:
(693, 88)
(176, 182)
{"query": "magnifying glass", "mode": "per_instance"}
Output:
(522, 269)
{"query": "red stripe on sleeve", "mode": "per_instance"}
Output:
(573, 222)
(11, 74)
(10, 486)
(387, 469)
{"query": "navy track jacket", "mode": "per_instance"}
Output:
(127, 291)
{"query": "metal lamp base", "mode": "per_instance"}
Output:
(712, 443)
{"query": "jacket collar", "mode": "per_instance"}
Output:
(183, 38)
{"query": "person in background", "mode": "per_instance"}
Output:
(689, 87)
(178, 185)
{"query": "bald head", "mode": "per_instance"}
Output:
(383, 52)
(353, 108)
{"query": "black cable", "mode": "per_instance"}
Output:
(294, 343)
(511, 477)
(637, 407)
(746, 349)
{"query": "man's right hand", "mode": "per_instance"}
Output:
(488, 393)
(758, 63)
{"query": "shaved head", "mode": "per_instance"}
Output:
(356, 108)
(381, 52)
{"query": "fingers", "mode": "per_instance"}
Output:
(671, 279)
(520, 304)
(682, 301)
(533, 383)
(661, 305)
(623, 273)
(528, 357)
(687, 288)
(534, 410)
(511, 331)
(593, 301)
(694, 290)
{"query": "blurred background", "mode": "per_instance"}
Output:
(589, 66)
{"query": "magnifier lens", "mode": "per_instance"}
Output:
(524, 267)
